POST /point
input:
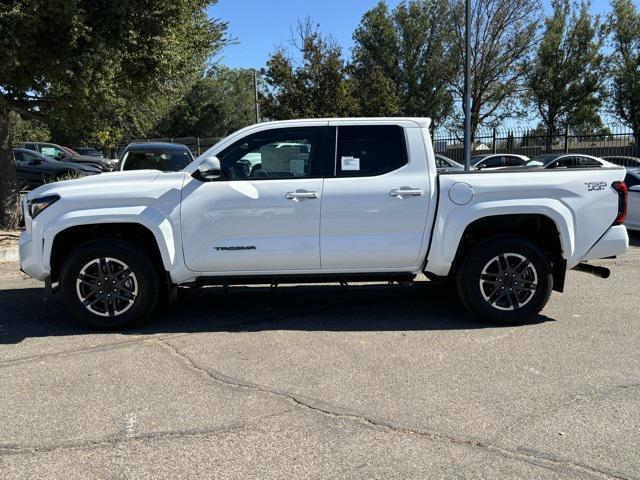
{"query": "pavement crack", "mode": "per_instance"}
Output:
(533, 457)
(114, 440)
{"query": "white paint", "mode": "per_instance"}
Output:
(130, 423)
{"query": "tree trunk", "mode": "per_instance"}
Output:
(9, 195)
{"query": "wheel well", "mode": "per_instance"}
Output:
(538, 228)
(70, 239)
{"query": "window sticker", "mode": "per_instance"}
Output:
(350, 163)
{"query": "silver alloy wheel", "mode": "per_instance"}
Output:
(107, 287)
(508, 281)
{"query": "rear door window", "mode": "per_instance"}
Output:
(364, 151)
(492, 162)
(511, 161)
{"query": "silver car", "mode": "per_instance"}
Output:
(633, 214)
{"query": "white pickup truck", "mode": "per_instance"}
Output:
(316, 201)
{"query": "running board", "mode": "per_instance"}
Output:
(596, 270)
(275, 280)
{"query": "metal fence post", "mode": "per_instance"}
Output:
(566, 139)
(198, 147)
(494, 147)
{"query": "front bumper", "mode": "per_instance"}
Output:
(613, 243)
(31, 257)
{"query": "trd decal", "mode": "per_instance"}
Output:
(595, 186)
(234, 249)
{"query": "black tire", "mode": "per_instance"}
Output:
(487, 292)
(138, 294)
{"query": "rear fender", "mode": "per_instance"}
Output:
(451, 225)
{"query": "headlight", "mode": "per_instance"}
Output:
(38, 205)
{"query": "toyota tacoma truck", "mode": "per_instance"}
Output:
(320, 201)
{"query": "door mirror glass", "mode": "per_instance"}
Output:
(208, 170)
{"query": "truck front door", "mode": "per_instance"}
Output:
(263, 214)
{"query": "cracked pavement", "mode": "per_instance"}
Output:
(324, 382)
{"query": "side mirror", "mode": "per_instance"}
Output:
(208, 170)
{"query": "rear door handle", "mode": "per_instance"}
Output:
(300, 194)
(406, 192)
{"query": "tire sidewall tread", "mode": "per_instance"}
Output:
(467, 278)
(146, 274)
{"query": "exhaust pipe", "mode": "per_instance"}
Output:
(596, 270)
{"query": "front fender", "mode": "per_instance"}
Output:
(164, 229)
(452, 223)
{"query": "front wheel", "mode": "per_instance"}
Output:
(109, 284)
(505, 279)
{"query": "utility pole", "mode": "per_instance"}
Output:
(255, 89)
(467, 87)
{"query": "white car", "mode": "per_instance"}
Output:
(566, 160)
(633, 184)
(498, 160)
(363, 203)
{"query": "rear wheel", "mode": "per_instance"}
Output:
(505, 279)
(109, 284)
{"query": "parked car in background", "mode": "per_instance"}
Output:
(51, 150)
(34, 169)
(633, 213)
(629, 162)
(58, 152)
(497, 160)
(567, 160)
(166, 157)
(89, 152)
(445, 163)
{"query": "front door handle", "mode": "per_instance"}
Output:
(406, 192)
(300, 194)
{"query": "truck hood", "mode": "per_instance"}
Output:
(133, 181)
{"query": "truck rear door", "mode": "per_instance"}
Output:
(375, 199)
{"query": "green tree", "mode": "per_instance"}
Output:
(402, 60)
(216, 105)
(625, 65)
(21, 130)
(313, 83)
(503, 33)
(565, 78)
(81, 56)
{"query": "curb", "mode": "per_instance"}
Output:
(9, 254)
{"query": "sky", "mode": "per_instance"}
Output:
(260, 26)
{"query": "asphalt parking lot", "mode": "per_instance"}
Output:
(325, 382)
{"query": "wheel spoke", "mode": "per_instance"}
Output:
(88, 278)
(91, 303)
(508, 281)
(116, 295)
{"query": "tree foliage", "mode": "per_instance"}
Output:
(625, 65)
(21, 130)
(402, 60)
(310, 83)
(503, 33)
(216, 105)
(92, 63)
(565, 77)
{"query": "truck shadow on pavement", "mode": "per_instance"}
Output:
(24, 313)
